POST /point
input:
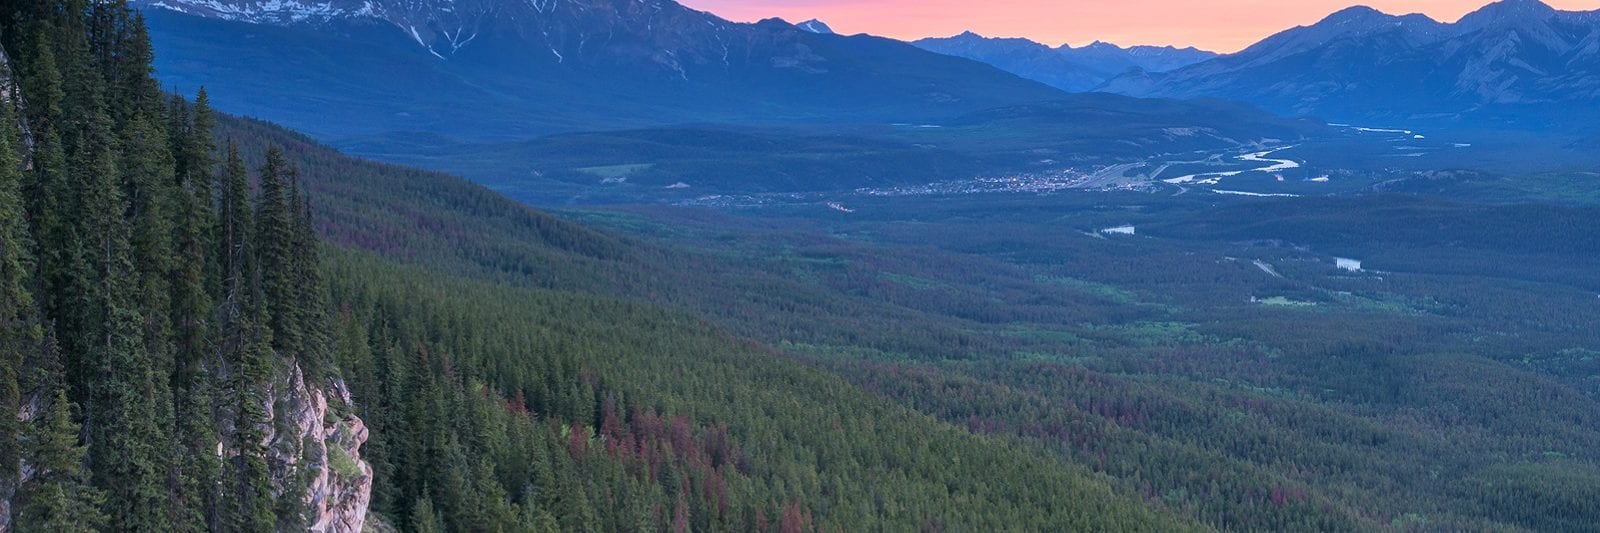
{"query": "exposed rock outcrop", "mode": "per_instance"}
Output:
(315, 453)
(11, 96)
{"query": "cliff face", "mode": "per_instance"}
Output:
(315, 453)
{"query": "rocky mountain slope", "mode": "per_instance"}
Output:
(317, 423)
(1515, 62)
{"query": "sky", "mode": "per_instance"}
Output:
(1219, 25)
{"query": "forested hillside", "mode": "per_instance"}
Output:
(1142, 358)
(182, 353)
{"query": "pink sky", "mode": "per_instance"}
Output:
(1221, 25)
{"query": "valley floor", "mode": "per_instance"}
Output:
(1227, 361)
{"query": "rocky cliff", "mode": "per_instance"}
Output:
(315, 453)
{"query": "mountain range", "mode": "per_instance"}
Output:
(499, 69)
(1515, 62)
(1064, 67)
(479, 86)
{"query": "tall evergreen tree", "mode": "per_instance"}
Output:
(249, 502)
(197, 172)
(310, 320)
(235, 230)
(59, 497)
(120, 44)
(275, 234)
(198, 471)
(153, 204)
(246, 344)
(424, 519)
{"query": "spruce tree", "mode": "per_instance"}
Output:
(153, 204)
(59, 497)
(250, 503)
(120, 44)
(173, 293)
(235, 231)
(274, 226)
(86, 261)
(310, 317)
(246, 345)
(424, 519)
(198, 471)
(197, 174)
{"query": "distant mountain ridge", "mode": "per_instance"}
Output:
(1063, 67)
(1517, 62)
(517, 68)
(1022, 57)
(1108, 57)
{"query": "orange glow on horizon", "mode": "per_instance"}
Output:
(1218, 25)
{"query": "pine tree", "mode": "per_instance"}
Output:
(250, 501)
(424, 519)
(159, 277)
(275, 235)
(79, 208)
(196, 174)
(121, 47)
(247, 500)
(39, 75)
(59, 496)
(199, 470)
(310, 317)
(236, 231)
(153, 204)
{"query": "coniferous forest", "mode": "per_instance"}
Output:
(211, 323)
(184, 355)
(154, 288)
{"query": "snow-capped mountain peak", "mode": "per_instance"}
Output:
(815, 26)
(445, 27)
